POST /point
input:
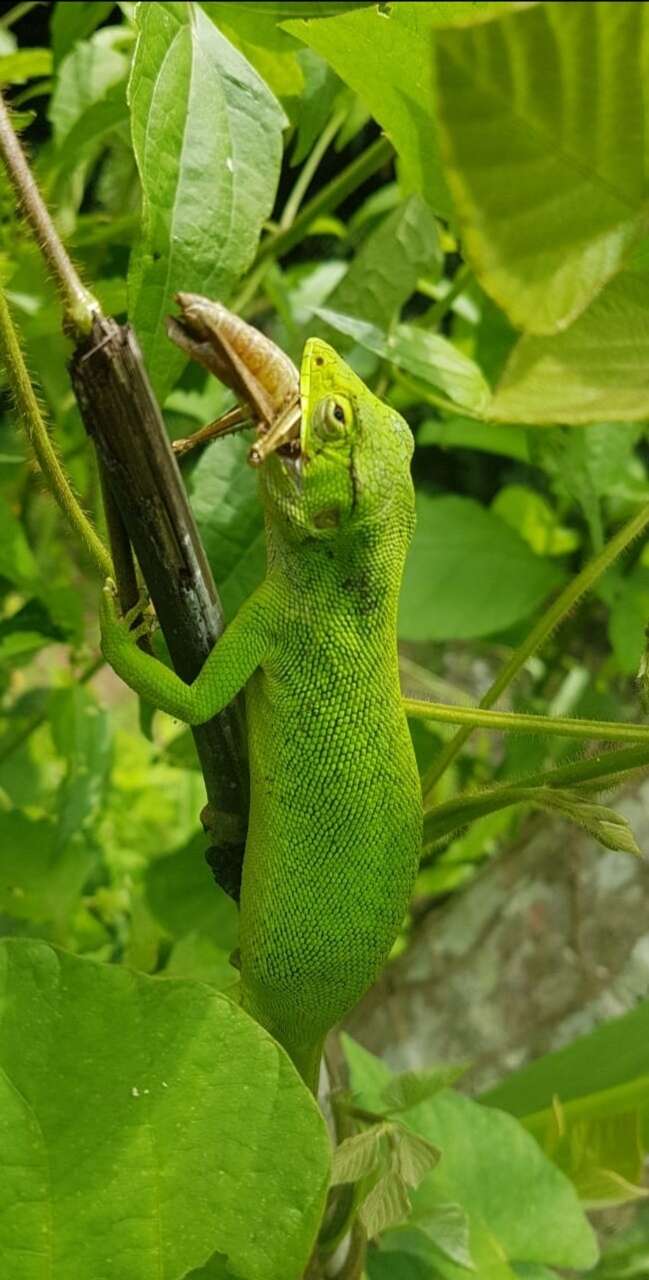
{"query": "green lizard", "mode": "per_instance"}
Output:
(336, 814)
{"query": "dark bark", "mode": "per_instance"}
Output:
(122, 417)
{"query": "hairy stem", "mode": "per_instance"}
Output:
(34, 426)
(79, 304)
(598, 774)
(546, 624)
(515, 722)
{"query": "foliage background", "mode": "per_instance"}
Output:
(455, 195)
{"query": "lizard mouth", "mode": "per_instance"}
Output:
(281, 438)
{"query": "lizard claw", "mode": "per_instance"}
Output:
(136, 610)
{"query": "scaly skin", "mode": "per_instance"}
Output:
(335, 817)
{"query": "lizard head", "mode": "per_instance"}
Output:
(353, 464)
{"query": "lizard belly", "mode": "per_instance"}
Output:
(332, 853)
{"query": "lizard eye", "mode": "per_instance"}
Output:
(332, 417)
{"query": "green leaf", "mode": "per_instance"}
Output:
(596, 371)
(383, 53)
(628, 617)
(626, 1255)
(123, 1102)
(586, 1106)
(525, 1272)
(549, 203)
(612, 1056)
(73, 22)
(223, 495)
(447, 1227)
(411, 1087)
(465, 433)
(368, 1075)
(86, 77)
(269, 49)
(197, 956)
(468, 573)
(586, 466)
(30, 627)
(207, 139)
(385, 270)
(525, 1204)
(386, 1205)
(610, 828)
(397, 1265)
(536, 521)
(291, 9)
(23, 65)
(355, 1157)
(315, 103)
(426, 355)
(39, 881)
(215, 1269)
(82, 735)
(183, 897)
(414, 1156)
(17, 563)
(97, 122)
(520, 1207)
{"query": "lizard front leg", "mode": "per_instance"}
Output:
(229, 666)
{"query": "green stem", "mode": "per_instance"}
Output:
(79, 305)
(563, 726)
(599, 773)
(432, 318)
(546, 624)
(36, 431)
(19, 10)
(308, 171)
(331, 195)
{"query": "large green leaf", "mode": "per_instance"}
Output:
(270, 50)
(468, 573)
(288, 9)
(597, 370)
(520, 1207)
(146, 1125)
(611, 1056)
(384, 55)
(541, 123)
(383, 52)
(428, 356)
(207, 139)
